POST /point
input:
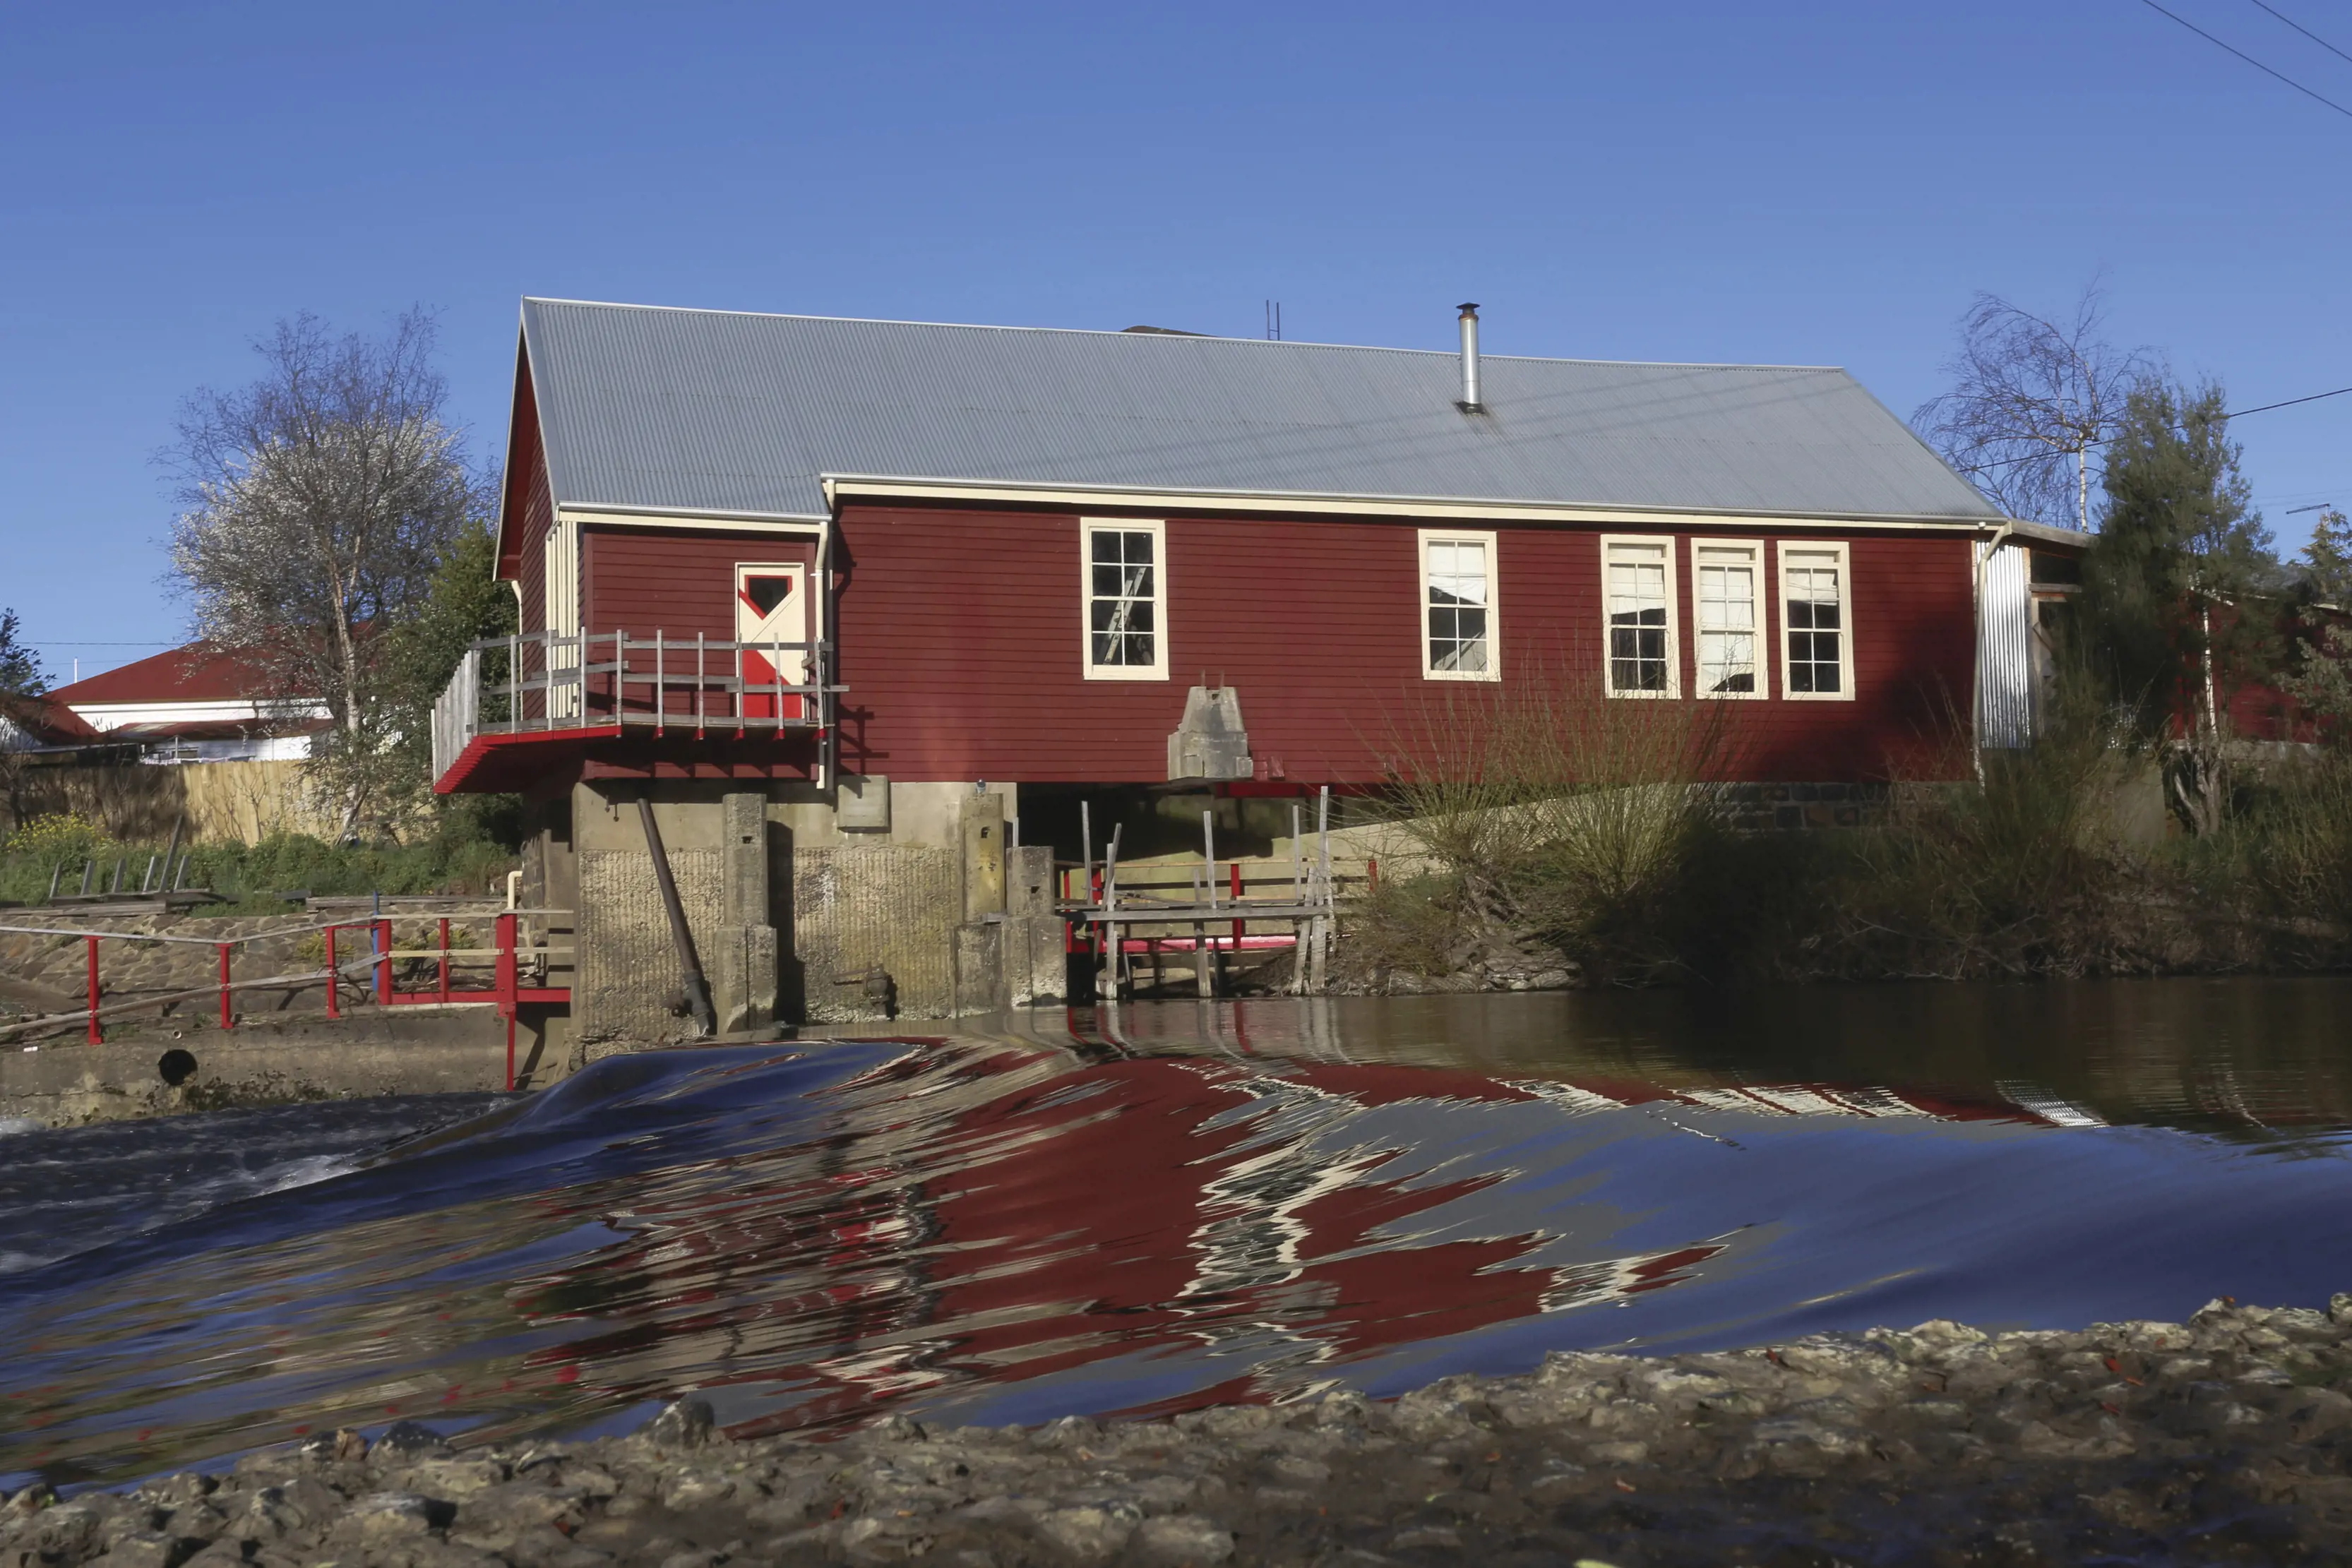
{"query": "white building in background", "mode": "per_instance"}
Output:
(200, 703)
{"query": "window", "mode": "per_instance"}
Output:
(1638, 591)
(1816, 660)
(1458, 607)
(1123, 568)
(1729, 576)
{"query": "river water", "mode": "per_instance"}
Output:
(1168, 1206)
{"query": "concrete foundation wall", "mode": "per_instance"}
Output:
(794, 917)
(870, 910)
(403, 1053)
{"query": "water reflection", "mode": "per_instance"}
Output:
(1178, 1205)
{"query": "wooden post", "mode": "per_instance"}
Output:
(1298, 901)
(228, 1017)
(445, 958)
(1322, 925)
(382, 930)
(1107, 973)
(334, 979)
(97, 1036)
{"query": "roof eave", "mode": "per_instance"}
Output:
(836, 485)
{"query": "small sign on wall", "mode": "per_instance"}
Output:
(861, 803)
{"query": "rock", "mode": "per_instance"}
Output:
(691, 1488)
(65, 1530)
(1069, 1432)
(407, 1441)
(342, 1446)
(1429, 1537)
(896, 1429)
(1090, 1534)
(386, 1516)
(142, 1549)
(31, 1500)
(682, 1424)
(1182, 1540)
(219, 1554)
(456, 1478)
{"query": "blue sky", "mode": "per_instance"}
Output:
(1814, 183)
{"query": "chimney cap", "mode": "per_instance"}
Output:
(1469, 307)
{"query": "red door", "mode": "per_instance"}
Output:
(771, 608)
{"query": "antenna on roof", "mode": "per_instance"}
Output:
(1273, 321)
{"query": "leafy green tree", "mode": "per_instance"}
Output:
(2182, 571)
(2183, 600)
(465, 601)
(20, 667)
(2323, 678)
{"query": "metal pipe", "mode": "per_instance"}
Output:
(1470, 403)
(698, 989)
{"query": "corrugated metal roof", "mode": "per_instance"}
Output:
(705, 411)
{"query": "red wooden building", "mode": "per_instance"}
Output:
(798, 557)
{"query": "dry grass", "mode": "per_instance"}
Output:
(1556, 825)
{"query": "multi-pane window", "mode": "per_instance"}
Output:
(1819, 655)
(1727, 577)
(1126, 601)
(1457, 589)
(1638, 581)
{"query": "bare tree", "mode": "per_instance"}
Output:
(2032, 402)
(319, 498)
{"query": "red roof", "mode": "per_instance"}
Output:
(46, 719)
(199, 673)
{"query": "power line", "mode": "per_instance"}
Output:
(2249, 59)
(2056, 453)
(2305, 32)
(2265, 408)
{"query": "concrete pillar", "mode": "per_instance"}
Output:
(983, 855)
(1036, 955)
(742, 965)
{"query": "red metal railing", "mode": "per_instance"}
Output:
(506, 992)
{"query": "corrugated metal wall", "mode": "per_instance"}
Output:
(2004, 648)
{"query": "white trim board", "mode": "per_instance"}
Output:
(883, 487)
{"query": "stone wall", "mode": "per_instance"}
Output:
(630, 986)
(869, 910)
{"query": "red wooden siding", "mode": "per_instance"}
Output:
(960, 642)
(677, 581)
(530, 509)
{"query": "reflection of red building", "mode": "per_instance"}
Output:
(1010, 1219)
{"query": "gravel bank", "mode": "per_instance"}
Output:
(2226, 1439)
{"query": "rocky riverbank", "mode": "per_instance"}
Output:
(2225, 1439)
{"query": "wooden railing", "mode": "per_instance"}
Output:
(550, 682)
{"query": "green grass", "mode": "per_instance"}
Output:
(247, 876)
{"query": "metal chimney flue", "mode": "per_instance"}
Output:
(1470, 403)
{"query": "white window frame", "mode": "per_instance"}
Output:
(1157, 669)
(1485, 540)
(1761, 631)
(1674, 689)
(1844, 559)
